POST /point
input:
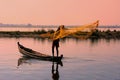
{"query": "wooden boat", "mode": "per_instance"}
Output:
(27, 52)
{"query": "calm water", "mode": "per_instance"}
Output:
(84, 60)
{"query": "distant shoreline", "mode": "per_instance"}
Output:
(49, 26)
(46, 34)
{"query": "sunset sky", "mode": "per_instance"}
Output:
(57, 12)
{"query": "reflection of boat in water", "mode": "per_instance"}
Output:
(54, 70)
(37, 55)
(23, 60)
(26, 60)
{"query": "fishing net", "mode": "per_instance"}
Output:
(62, 32)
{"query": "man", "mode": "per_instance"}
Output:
(56, 43)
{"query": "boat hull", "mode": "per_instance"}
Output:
(27, 52)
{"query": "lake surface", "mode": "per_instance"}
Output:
(84, 60)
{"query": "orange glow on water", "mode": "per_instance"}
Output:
(93, 58)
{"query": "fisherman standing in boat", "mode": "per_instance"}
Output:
(56, 43)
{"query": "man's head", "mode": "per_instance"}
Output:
(61, 26)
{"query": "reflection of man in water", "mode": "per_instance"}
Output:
(55, 72)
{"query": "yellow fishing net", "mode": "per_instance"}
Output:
(62, 32)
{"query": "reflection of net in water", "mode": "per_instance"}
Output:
(71, 31)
